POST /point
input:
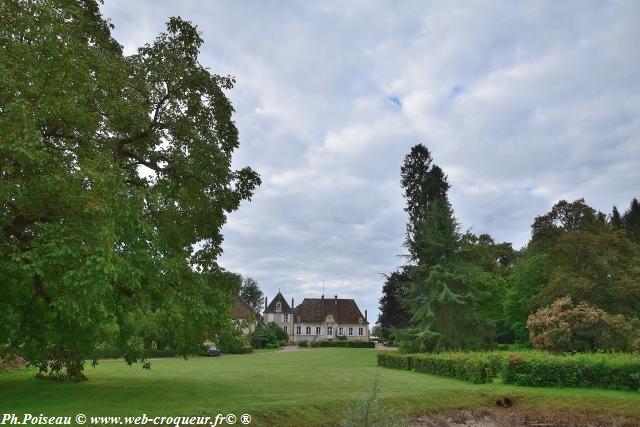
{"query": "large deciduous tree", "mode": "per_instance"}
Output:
(250, 292)
(115, 181)
(586, 259)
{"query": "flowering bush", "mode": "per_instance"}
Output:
(563, 327)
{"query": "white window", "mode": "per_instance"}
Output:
(298, 330)
(329, 330)
(287, 329)
(308, 330)
(286, 317)
(350, 331)
(340, 330)
(359, 330)
(318, 330)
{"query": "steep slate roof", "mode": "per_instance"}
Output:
(271, 308)
(315, 310)
(241, 309)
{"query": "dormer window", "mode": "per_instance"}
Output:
(360, 320)
(278, 306)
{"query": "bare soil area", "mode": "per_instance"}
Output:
(509, 417)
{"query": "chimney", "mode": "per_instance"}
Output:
(292, 303)
(265, 303)
(365, 315)
(336, 299)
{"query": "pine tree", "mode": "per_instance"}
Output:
(424, 184)
(632, 221)
(616, 220)
(448, 295)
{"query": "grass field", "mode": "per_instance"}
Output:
(310, 387)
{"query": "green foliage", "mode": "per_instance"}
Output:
(586, 260)
(525, 282)
(610, 371)
(349, 344)
(303, 343)
(115, 184)
(280, 333)
(393, 314)
(456, 289)
(631, 221)
(251, 293)
(232, 341)
(423, 184)
(563, 326)
(272, 345)
(530, 368)
(271, 334)
(615, 219)
(454, 308)
(477, 368)
(574, 252)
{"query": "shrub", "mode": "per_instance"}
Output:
(303, 343)
(350, 344)
(280, 334)
(272, 345)
(263, 335)
(611, 371)
(167, 352)
(392, 359)
(369, 412)
(564, 327)
(271, 334)
(480, 367)
(232, 341)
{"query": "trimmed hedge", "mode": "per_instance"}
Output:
(475, 367)
(239, 350)
(350, 344)
(110, 353)
(609, 371)
(303, 343)
(526, 368)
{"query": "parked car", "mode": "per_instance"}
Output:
(212, 351)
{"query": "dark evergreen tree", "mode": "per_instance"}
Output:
(393, 315)
(448, 295)
(423, 185)
(616, 220)
(632, 221)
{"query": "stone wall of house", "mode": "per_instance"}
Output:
(324, 331)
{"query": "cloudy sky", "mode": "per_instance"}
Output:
(522, 104)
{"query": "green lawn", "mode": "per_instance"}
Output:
(310, 387)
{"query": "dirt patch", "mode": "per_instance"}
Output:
(499, 417)
(290, 348)
(12, 361)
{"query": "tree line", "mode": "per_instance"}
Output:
(574, 287)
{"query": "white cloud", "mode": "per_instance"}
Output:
(520, 105)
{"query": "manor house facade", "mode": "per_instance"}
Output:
(318, 319)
